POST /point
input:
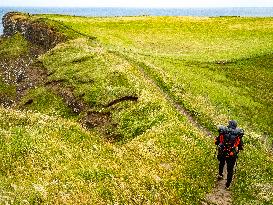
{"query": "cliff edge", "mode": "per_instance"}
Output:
(37, 32)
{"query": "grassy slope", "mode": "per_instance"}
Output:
(13, 47)
(48, 159)
(167, 161)
(183, 52)
(218, 68)
(52, 160)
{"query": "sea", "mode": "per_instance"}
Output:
(213, 12)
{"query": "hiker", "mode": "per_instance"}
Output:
(229, 144)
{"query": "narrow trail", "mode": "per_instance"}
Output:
(219, 195)
(180, 109)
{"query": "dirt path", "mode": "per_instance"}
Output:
(219, 195)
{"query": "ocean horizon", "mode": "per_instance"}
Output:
(110, 11)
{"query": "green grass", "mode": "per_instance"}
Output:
(216, 68)
(46, 102)
(254, 176)
(7, 91)
(47, 159)
(190, 38)
(12, 47)
(184, 50)
(52, 160)
(240, 89)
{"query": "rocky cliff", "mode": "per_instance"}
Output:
(36, 32)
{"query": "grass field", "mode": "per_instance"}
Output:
(225, 61)
(215, 68)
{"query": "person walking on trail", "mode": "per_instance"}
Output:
(229, 142)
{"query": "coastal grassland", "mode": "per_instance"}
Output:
(48, 157)
(222, 62)
(159, 157)
(101, 78)
(240, 89)
(69, 32)
(187, 38)
(217, 68)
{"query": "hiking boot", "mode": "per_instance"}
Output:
(220, 177)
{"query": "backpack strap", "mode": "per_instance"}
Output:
(237, 141)
(221, 138)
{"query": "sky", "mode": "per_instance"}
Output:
(137, 3)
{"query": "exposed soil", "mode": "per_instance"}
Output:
(219, 195)
(125, 98)
(76, 104)
(96, 119)
(36, 32)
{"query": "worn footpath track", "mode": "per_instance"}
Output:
(180, 109)
(219, 195)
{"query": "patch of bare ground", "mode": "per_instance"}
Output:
(219, 195)
(94, 119)
(125, 98)
(102, 122)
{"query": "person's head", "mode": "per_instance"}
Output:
(232, 124)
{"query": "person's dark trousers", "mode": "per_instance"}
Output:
(230, 167)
